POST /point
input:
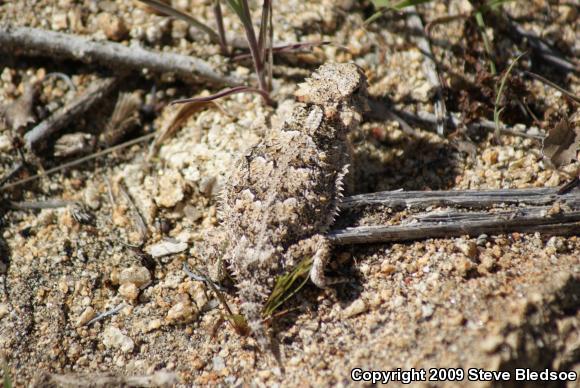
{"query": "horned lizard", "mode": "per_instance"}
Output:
(284, 193)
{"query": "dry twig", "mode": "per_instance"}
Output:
(429, 121)
(551, 214)
(34, 41)
(67, 114)
(429, 67)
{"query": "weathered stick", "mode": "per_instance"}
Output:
(429, 121)
(159, 378)
(569, 224)
(34, 41)
(430, 68)
(558, 215)
(67, 114)
(474, 199)
(540, 47)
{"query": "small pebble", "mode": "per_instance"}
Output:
(481, 240)
(182, 312)
(154, 325)
(129, 291)
(59, 22)
(357, 307)
(137, 275)
(218, 363)
(387, 268)
(91, 197)
(427, 310)
(114, 338)
(463, 265)
(170, 189)
(5, 143)
(165, 248)
(86, 316)
(468, 248)
(113, 26)
(4, 310)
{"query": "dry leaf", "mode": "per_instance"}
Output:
(562, 143)
(123, 120)
(19, 114)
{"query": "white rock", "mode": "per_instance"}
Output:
(357, 307)
(5, 143)
(183, 312)
(165, 248)
(86, 316)
(170, 189)
(59, 22)
(138, 275)
(114, 338)
(218, 363)
(129, 291)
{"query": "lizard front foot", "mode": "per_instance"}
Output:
(318, 246)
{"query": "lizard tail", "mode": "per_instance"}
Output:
(252, 297)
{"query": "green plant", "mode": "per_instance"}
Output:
(7, 380)
(287, 286)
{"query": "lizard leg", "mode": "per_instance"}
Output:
(320, 248)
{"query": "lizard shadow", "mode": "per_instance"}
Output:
(382, 162)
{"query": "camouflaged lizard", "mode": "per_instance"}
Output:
(284, 193)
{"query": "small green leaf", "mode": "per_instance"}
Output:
(7, 379)
(287, 286)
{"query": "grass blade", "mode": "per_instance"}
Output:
(486, 43)
(496, 110)
(287, 286)
(237, 7)
(219, 19)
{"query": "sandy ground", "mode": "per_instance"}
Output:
(496, 302)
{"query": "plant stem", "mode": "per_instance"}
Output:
(219, 18)
(255, 49)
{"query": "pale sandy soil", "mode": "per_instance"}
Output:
(496, 302)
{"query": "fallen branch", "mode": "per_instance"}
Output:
(430, 68)
(34, 41)
(161, 378)
(429, 120)
(540, 47)
(77, 162)
(67, 114)
(473, 199)
(559, 215)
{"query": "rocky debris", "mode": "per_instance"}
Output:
(165, 248)
(114, 338)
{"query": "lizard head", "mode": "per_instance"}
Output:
(335, 84)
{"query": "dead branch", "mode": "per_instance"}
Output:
(38, 205)
(34, 41)
(557, 215)
(67, 114)
(430, 68)
(160, 378)
(429, 120)
(77, 162)
(540, 47)
(472, 199)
